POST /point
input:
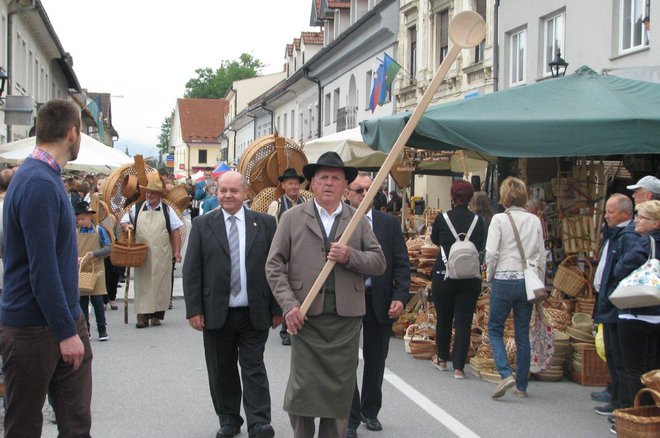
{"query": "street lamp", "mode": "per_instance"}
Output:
(3, 81)
(558, 65)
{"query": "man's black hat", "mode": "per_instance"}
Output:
(82, 207)
(330, 159)
(291, 173)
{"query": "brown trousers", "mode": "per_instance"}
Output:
(304, 427)
(33, 367)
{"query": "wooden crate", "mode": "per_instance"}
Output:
(594, 369)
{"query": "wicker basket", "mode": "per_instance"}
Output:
(652, 379)
(639, 421)
(422, 348)
(586, 303)
(129, 254)
(570, 279)
(87, 280)
(179, 197)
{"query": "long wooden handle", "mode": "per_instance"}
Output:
(384, 170)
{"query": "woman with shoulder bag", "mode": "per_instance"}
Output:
(455, 299)
(505, 271)
(639, 328)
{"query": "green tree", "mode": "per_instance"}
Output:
(164, 137)
(211, 84)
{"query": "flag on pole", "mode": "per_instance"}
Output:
(378, 84)
(391, 70)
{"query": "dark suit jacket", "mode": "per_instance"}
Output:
(394, 283)
(207, 269)
(461, 219)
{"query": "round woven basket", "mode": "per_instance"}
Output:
(570, 279)
(128, 253)
(265, 197)
(639, 421)
(179, 197)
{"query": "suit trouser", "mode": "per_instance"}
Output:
(33, 367)
(619, 383)
(238, 341)
(640, 350)
(304, 427)
(375, 346)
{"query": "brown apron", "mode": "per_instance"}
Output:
(153, 278)
(89, 242)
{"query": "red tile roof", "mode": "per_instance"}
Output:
(288, 51)
(202, 119)
(296, 43)
(312, 37)
(339, 4)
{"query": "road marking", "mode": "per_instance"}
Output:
(431, 408)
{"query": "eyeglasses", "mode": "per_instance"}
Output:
(359, 191)
(640, 217)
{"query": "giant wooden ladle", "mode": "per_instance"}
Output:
(466, 29)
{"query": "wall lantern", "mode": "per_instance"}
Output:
(558, 65)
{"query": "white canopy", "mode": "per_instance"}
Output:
(355, 152)
(94, 156)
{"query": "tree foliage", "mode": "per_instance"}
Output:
(164, 137)
(211, 84)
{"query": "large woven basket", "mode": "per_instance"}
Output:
(422, 348)
(570, 279)
(87, 280)
(179, 196)
(128, 254)
(652, 379)
(639, 421)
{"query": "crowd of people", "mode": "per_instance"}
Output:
(246, 272)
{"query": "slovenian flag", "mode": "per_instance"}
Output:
(378, 84)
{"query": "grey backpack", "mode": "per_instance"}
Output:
(463, 259)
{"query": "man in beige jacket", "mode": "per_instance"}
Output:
(325, 346)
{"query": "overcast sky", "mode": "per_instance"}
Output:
(147, 50)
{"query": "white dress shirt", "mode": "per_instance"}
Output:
(240, 300)
(328, 219)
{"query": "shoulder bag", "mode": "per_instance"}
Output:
(534, 286)
(642, 287)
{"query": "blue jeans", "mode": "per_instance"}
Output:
(504, 296)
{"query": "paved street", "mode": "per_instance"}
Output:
(152, 383)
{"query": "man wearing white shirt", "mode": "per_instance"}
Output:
(229, 300)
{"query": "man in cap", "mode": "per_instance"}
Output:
(43, 335)
(385, 297)
(326, 340)
(158, 226)
(646, 189)
(289, 182)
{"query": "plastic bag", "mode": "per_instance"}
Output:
(600, 342)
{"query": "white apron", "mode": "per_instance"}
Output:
(153, 278)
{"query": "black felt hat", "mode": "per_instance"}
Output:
(291, 173)
(330, 159)
(81, 207)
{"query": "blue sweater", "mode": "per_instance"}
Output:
(41, 274)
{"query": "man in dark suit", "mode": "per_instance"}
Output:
(385, 296)
(232, 304)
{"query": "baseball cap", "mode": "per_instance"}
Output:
(650, 183)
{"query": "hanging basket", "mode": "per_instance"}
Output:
(570, 279)
(87, 280)
(128, 254)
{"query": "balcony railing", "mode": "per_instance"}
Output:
(346, 118)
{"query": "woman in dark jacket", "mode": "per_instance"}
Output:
(455, 300)
(639, 329)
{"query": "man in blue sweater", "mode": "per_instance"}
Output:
(43, 336)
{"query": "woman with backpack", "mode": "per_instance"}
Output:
(456, 281)
(504, 271)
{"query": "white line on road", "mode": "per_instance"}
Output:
(431, 408)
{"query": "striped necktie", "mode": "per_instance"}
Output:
(235, 255)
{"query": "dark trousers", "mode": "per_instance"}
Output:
(33, 367)
(454, 301)
(619, 382)
(97, 304)
(111, 279)
(238, 341)
(640, 349)
(375, 346)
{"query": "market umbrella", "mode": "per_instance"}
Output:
(94, 156)
(581, 114)
(222, 168)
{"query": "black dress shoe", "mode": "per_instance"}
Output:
(351, 433)
(228, 431)
(262, 431)
(372, 423)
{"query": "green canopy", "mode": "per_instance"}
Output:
(578, 115)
